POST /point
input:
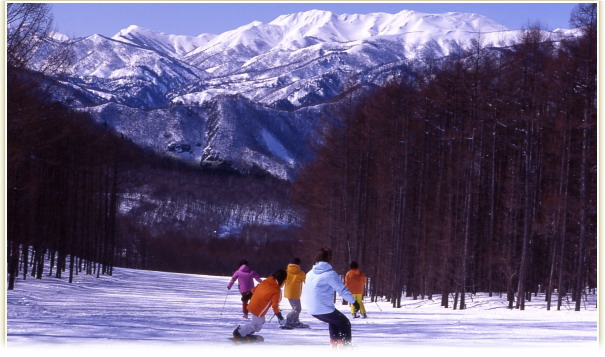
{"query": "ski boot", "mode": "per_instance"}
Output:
(238, 338)
(287, 326)
(336, 344)
(236, 335)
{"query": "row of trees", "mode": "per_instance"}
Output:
(62, 187)
(196, 220)
(86, 199)
(61, 171)
(477, 174)
(82, 198)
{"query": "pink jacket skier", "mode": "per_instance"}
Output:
(245, 282)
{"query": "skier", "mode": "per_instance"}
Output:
(321, 283)
(292, 291)
(245, 282)
(265, 295)
(355, 281)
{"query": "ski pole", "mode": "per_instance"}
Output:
(278, 320)
(376, 302)
(224, 303)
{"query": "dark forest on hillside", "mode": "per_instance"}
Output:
(477, 172)
(80, 190)
(87, 199)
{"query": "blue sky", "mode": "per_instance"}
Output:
(79, 19)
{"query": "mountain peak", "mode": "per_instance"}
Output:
(328, 26)
(310, 15)
(173, 45)
(133, 29)
(57, 36)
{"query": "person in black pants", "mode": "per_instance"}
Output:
(321, 283)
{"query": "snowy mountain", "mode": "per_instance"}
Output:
(171, 45)
(251, 97)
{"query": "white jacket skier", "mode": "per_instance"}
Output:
(318, 293)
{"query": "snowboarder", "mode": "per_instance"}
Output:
(355, 281)
(318, 293)
(245, 282)
(292, 291)
(265, 295)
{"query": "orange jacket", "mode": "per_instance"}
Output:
(355, 281)
(293, 285)
(265, 295)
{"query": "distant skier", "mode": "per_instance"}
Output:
(245, 282)
(321, 283)
(355, 281)
(265, 295)
(292, 291)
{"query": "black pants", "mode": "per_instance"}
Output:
(339, 325)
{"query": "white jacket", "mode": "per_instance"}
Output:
(318, 292)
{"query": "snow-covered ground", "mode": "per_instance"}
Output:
(188, 314)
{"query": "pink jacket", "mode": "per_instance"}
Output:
(245, 279)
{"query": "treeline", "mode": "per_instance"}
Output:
(188, 219)
(84, 199)
(62, 173)
(477, 174)
(219, 256)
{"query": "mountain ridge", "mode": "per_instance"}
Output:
(280, 71)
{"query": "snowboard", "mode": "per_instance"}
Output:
(248, 339)
(284, 327)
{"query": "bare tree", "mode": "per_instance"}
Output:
(584, 17)
(28, 25)
(29, 37)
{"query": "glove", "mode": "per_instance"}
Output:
(356, 306)
(280, 318)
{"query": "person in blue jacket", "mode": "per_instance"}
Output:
(321, 283)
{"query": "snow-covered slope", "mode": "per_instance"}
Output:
(194, 314)
(279, 68)
(126, 73)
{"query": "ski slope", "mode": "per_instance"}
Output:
(136, 310)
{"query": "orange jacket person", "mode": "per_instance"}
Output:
(355, 281)
(265, 295)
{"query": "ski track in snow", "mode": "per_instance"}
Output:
(139, 310)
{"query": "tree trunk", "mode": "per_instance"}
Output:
(583, 221)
